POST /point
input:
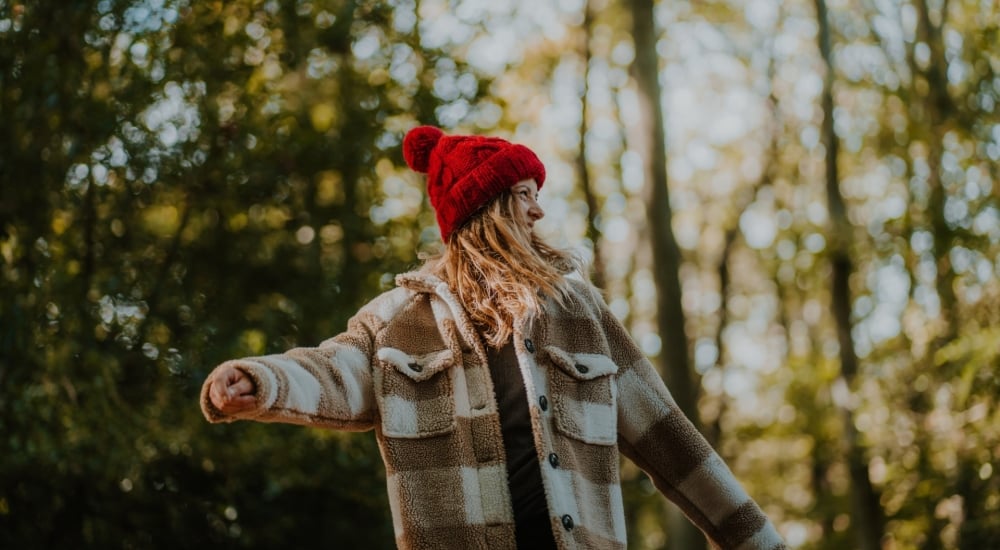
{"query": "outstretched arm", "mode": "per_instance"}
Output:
(329, 385)
(655, 434)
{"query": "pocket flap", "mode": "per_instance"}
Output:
(417, 367)
(582, 366)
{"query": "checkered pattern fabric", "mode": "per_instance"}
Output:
(411, 367)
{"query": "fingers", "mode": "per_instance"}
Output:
(232, 375)
(242, 387)
(231, 390)
(232, 403)
(240, 403)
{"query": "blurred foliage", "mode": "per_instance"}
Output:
(185, 182)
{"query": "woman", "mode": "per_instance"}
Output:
(501, 390)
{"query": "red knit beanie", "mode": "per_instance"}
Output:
(465, 172)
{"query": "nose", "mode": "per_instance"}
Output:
(535, 212)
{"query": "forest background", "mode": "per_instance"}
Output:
(792, 205)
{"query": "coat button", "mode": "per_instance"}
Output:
(567, 522)
(582, 369)
(416, 367)
(554, 460)
(543, 403)
(529, 345)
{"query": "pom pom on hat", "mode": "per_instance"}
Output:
(466, 172)
(417, 146)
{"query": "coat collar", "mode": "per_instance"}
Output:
(419, 281)
(426, 283)
(423, 282)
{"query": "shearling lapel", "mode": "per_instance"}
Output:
(448, 311)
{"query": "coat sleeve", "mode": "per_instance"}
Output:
(328, 386)
(655, 434)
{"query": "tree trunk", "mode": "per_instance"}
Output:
(651, 145)
(939, 111)
(868, 514)
(938, 116)
(593, 233)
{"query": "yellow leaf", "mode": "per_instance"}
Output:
(59, 224)
(162, 220)
(322, 116)
(328, 188)
(237, 222)
(254, 340)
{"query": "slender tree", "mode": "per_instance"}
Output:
(869, 519)
(650, 143)
(583, 171)
(939, 113)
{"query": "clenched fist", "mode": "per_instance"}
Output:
(231, 390)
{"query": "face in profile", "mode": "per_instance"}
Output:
(526, 198)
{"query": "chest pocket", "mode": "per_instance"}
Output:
(414, 393)
(584, 396)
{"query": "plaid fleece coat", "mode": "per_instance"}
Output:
(411, 366)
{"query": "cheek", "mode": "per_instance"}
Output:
(523, 213)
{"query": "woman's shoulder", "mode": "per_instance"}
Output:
(386, 305)
(580, 285)
(409, 286)
(583, 293)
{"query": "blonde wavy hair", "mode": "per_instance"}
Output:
(500, 270)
